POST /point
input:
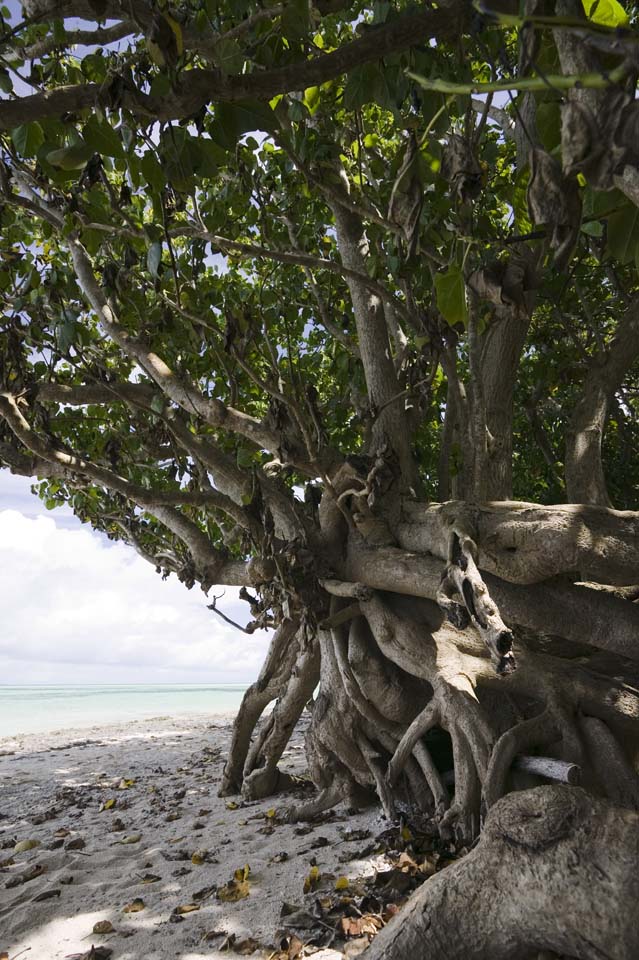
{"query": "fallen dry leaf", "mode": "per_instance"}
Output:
(312, 880)
(233, 891)
(150, 878)
(108, 804)
(134, 838)
(25, 845)
(185, 908)
(199, 857)
(135, 906)
(204, 893)
(232, 805)
(125, 784)
(103, 926)
(341, 883)
(76, 844)
(359, 926)
(245, 947)
(46, 895)
(35, 871)
(95, 953)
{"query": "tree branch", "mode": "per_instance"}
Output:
(197, 88)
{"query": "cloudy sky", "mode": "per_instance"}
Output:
(76, 608)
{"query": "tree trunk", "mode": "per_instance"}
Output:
(555, 870)
(585, 479)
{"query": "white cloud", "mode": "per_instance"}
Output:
(76, 608)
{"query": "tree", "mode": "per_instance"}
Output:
(297, 299)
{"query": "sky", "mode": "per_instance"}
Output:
(77, 608)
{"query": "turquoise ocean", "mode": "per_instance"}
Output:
(42, 709)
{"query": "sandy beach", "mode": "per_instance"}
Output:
(121, 826)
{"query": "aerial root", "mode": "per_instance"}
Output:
(610, 764)
(271, 684)
(536, 731)
(462, 578)
(261, 775)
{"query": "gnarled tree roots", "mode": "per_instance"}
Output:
(555, 870)
(411, 710)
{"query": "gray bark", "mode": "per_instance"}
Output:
(555, 870)
(585, 479)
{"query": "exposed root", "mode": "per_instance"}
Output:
(536, 731)
(463, 578)
(261, 775)
(540, 879)
(270, 685)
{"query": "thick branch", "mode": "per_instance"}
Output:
(585, 480)
(554, 608)
(528, 543)
(200, 87)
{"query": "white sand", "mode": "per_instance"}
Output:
(173, 806)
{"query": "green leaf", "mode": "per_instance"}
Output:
(28, 138)
(623, 233)
(609, 13)
(296, 19)
(154, 258)
(451, 295)
(229, 56)
(244, 458)
(232, 120)
(73, 157)
(157, 403)
(152, 171)
(312, 99)
(520, 203)
(366, 84)
(102, 138)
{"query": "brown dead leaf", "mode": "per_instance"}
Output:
(4, 955)
(279, 857)
(369, 925)
(246, 947)
(95, 953)
(76, 844)
(108, 804)
(406, 864)
(312, 880)
(213, 936)
(47, 895)
(150, 878)
(185, 908)
(103, 926)
(135, 906)
(204, 894)
(35, 871)
(233, 891)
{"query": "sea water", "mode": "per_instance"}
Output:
(42, 709)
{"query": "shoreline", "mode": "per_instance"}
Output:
(129, 812)
(38, 741)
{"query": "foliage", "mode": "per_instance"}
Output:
(209, 226)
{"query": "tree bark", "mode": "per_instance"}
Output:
(555, 870)
(585, 479)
